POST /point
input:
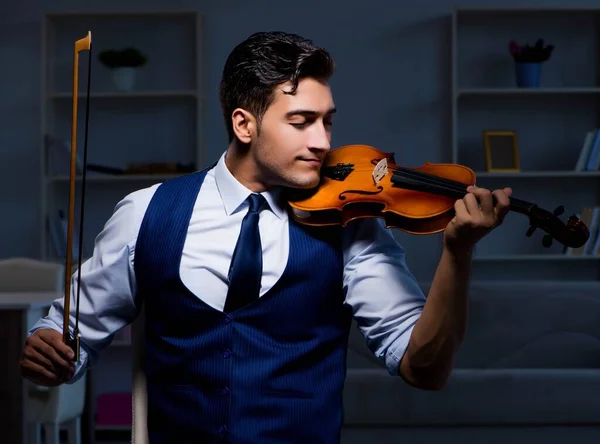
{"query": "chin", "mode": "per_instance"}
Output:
(304, 183)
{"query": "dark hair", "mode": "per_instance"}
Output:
(263, 61)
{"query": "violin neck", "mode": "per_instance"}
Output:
(419, 181)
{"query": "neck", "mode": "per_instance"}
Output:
(420, 181)
(241, 165)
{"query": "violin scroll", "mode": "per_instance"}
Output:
(573, 234)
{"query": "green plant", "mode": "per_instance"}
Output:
(125, 58)
(530, 54)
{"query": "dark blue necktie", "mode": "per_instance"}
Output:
(245, 272)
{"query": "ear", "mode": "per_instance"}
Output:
(244, 125)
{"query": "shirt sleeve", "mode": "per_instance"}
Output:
(106, 299)
(384, 295)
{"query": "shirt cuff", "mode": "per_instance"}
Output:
(396, 351)
(81, 365)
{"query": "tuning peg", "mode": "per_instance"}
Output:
(559, 210)
(530, 231)
(547, 241)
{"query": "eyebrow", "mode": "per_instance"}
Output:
(308, 112)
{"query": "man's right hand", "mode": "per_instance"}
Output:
(46, 359)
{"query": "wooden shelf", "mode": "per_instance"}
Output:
(125, 95)
(534, 257)
(527, 91)
(95, 177)
(539, 174)
(550, 122)
(159, 120)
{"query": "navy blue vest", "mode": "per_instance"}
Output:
(270, 372)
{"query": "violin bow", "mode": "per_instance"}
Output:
(72, 338)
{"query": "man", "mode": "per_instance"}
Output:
(257, 355)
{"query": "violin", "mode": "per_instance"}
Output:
(359, 181)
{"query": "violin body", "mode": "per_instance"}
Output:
(360, 181)
(348, 191)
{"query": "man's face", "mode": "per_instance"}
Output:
(295, 135)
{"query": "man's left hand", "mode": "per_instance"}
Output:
(476, 215)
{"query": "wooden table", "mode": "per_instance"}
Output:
(19, 311)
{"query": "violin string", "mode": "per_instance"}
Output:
(445, 189)
(458, 189)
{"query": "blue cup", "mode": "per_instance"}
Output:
(528, 74)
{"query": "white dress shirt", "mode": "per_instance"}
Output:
(385, 297)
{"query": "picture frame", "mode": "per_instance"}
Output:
(501, 151)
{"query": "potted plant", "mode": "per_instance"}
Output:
(528, 62)
(123, 64)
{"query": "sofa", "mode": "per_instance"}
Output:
(527, 372)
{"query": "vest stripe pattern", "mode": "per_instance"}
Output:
(271, 372)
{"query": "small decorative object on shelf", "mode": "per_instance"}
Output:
(123, 65)
(501, 151)
(528, 62)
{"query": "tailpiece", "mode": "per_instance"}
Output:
(71, 338)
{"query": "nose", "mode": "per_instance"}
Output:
(320, 137)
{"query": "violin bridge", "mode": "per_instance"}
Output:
(380, 170)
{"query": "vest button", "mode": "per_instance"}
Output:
(226, 353)
(223, 430)
(225, 390)
(228, 319)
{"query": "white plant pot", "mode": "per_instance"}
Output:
(124, 78)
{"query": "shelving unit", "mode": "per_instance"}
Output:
(550, 122)
(158, 121)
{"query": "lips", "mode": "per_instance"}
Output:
(312, 160)
(315, 163)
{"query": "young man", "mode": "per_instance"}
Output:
(256, 353)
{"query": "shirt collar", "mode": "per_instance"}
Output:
(233, 193)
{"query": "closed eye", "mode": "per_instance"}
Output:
(304, 124)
